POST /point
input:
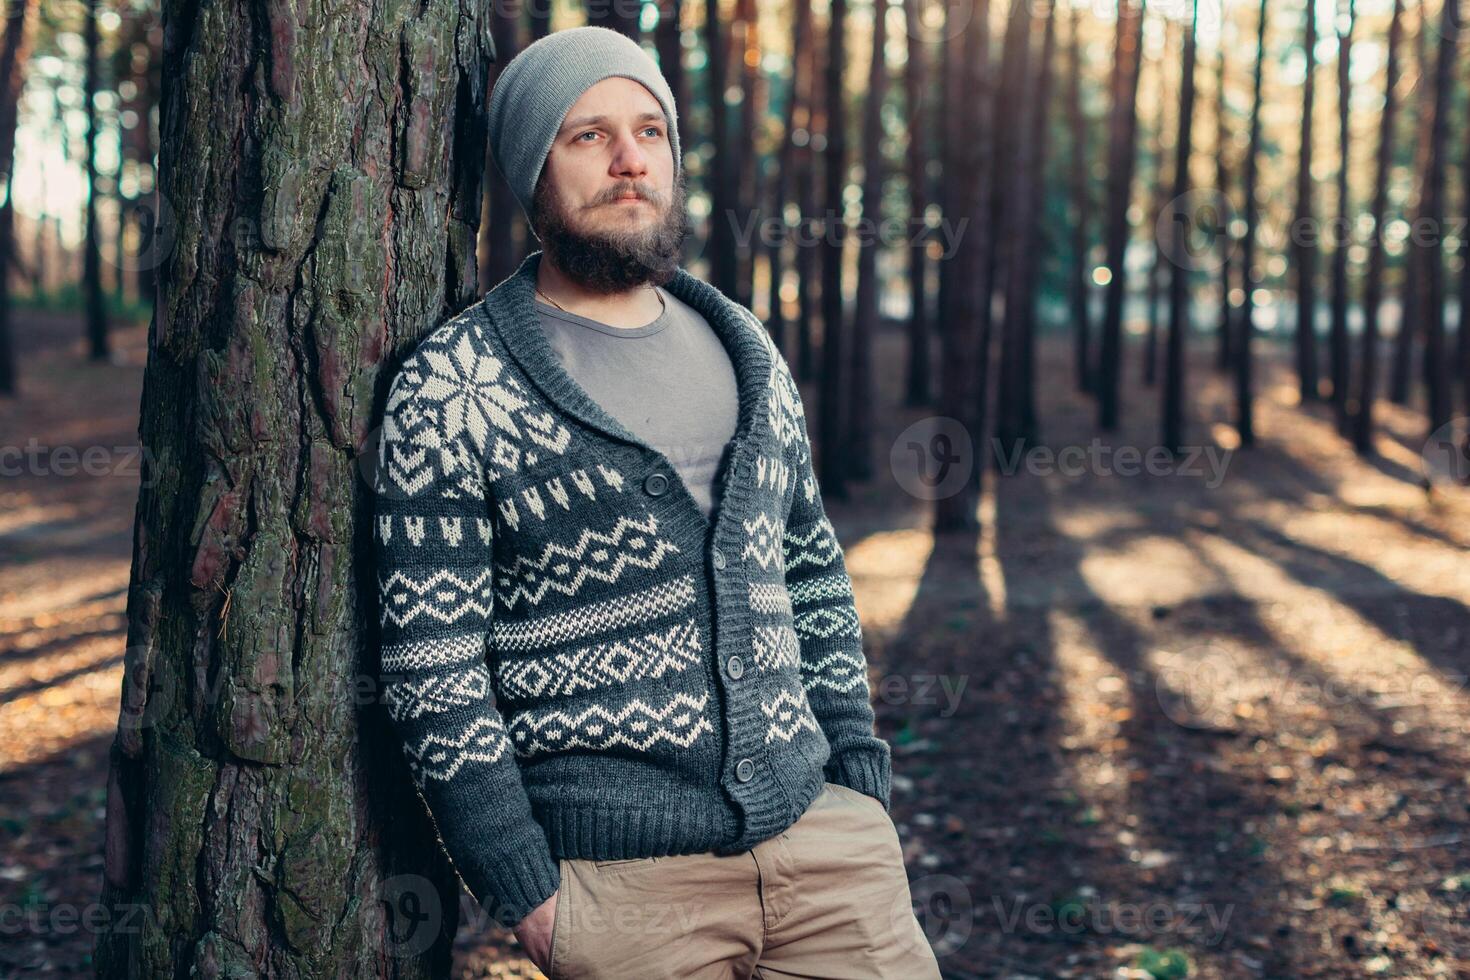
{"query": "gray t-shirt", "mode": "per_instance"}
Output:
(669, 382)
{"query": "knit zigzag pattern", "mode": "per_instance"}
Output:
(577, 661)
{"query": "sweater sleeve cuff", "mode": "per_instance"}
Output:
(865, 770)
(513, 884)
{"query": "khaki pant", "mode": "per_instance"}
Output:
(828, 898)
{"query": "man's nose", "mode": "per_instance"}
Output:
(628, 160)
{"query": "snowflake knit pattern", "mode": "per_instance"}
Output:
(579, 663)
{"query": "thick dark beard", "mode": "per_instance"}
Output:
(614, 263)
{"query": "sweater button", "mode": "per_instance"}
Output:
(735, 667)
(718, 557)
(745, 770)
(656, 484)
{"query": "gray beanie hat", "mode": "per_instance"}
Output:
(538, 86)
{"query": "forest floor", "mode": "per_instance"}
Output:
(1210, 720)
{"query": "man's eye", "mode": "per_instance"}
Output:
(654, 130)
(589, 132)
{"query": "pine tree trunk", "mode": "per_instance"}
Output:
(1172, 411)
(1431, 246)
(865, 306)
(1340, 354)
(91, 246)
(1373, 285)
(13, 51)
(723, 260)
(1081, 192)
(325, 166)
(832, 466)
(1013, 111)
(1304, 247)
(1244, 364)
(1161, 190)
(917, 389)
(968, 175)
(1122, 129)
(1410, 322)
(1224, 355)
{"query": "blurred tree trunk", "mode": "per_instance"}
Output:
(968, 173)
(1411, 319)
(1122, 134)
(668, 40)
(1162, 183)
(1081, 193)
(1462, 328)
(618, 15)
(721, 246)
(1340, 356)
(1431, 247)
(260, 812)
(1224, 234)
(1373, 284)
(745, 148)
(797, 118)
(832, 465)
(1172, 411)
(540, 16)
(13, 56)
(502, 218)
(1042, 243)
(862, 389)
(1303, 240)
(91, 246)
(1013, 108)
(809, 286)
(1244, 366)
(917, 388)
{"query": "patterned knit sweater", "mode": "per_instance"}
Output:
(579, 663)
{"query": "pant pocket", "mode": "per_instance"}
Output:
(555, 969)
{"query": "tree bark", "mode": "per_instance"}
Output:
(1431, 246)
(13, 56)
(1081, 180)
(1304, 239)
(968, 175)
(917, 388)
(1122, 130)
(1373, 285)
(832, 466)
(1244, 365)
(1224, 235)
(1172, 411)
(96, 304)
(1339, 353)
(325, 166)
(865, 306)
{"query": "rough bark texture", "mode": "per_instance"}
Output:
(324, 166)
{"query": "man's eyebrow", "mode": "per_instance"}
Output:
(581, 121)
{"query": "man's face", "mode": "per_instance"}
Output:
(607, 207)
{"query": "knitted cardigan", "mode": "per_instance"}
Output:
(579, 663)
